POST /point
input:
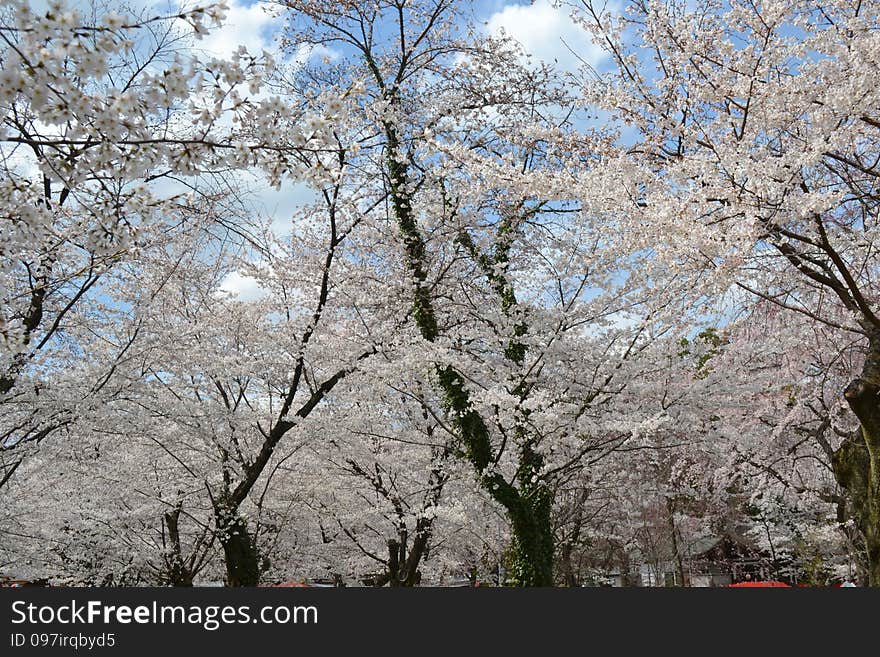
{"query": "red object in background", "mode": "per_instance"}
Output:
(768, 584)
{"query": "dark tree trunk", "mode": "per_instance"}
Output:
(532, 545)
(857, 461)
(239, 550)
(394, 559)
(177, 571)
(402, 567)
(530, 508)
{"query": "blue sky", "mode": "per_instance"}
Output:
(544, 31)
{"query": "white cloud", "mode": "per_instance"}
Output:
(245, 25)
(243, 287)
(547, 33)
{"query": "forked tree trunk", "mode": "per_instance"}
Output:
(402, 567)
(528, 505)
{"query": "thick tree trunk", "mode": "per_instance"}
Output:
(532, 563)
(180, 577)
(178, 573)
(857, 462)
(394, 560)
(530, 507)
(402, 567)
(239, 550)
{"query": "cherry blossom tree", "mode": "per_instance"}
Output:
(520, 322)
(784, 421)
(100, 113)
(752, 169)
(509, 294)
(122, 146)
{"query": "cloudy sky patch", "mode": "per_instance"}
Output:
(548, 33)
